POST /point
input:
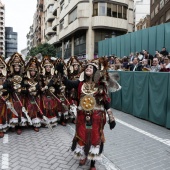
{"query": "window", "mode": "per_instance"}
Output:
(109, 9)
(95, 9)
(161, 4)
(61, 24)
(156, 9)
(61, 6)
(119, 11)
(109, 13)
(114, 10)
(167, 15)
(124, 12)
(102, 9)
(152, 14)
(50, 9)
(73, 16)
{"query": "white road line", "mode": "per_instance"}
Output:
(5, 139)
(5, 161)
(165, 141)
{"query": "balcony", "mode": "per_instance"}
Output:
(55, 23)
(78, 24)
(49, 31)
(55, 8)
(109, 22)
(50, 17)
(48, 3)
(53, 40)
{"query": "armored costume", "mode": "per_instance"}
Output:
(74, 69)
(63, 102)
(4, 97)
(92, 108)
(16, 65)
(31, 82)
(48, 88)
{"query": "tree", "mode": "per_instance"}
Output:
(45, 49)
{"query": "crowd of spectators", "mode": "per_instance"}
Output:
(142, 61)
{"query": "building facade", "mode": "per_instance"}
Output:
(74, 27)
(2, 29)
(160, 12)
(143, 23)
(30, 37)
(11, 41)
(141, 10)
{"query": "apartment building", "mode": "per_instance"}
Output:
(30, 38)
(141, 10)
(2, 29)
(160, 12)
(11, 42)
(76, 26)
(143, 23)
(38, 22)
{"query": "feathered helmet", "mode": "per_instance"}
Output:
(102, 76)
(3, 65)
(73, 61)
(32, 65)
(16, 59)
(46, 61)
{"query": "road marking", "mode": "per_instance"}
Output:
(104, 161)
(5, 139)
(165, 141)
(5, 161)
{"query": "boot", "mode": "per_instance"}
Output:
(63, 123)
(82, 162)
(1, 134)
(92, 165)
(19, 131)
(36, 129)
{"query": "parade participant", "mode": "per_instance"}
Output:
(74, 69)
(4, 96)
(31, 82)
(16, 65)
(93, 105)
(48, 88)
(63, 103)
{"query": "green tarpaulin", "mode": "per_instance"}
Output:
(158, 95)
(140, 94)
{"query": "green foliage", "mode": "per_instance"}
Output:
(45, 49)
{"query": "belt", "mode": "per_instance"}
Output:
(95, 108)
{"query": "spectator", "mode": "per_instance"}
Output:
(118, 64)
(135, 66)
(140, 56)
(155, 65)
(111, 61)
(145, 65)
(131, 57)
(148, 56)
(125, 63)
(166, 66)
(164, 52)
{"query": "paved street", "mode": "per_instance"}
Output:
(134, 144)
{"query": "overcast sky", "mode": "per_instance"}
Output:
(19, 15)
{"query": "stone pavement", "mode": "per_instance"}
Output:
(129, 149)
(134, 144)
(43, 150)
